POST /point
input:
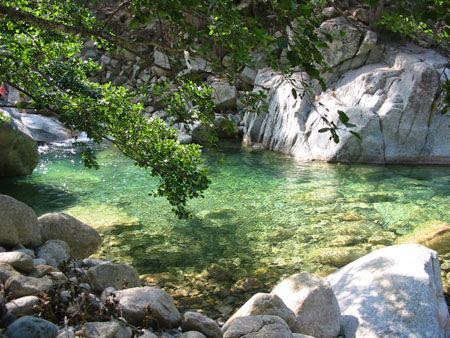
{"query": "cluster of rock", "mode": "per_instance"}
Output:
(51, 289)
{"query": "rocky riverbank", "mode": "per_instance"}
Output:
(50, 288)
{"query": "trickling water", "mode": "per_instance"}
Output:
(264, 215)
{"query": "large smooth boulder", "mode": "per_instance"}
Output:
(118, 276)
(313, 302)
(18, 150)
(265, 304)
(21, 286)
(18, 260)
(258, 327)
(54, 252)
(390, 93)
(18, 222)
(32, 327)
(392, 292)
(194, 321)
(136, 304)
(82, 239)
(111, 329)
(45, 129)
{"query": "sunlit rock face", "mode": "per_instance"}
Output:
(391, 93)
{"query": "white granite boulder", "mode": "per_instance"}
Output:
(313, 302)
(393, 292)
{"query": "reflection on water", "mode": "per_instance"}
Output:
(264, 215)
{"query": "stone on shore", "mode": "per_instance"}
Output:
(118, 276)
(54, 252)
(265, 304)
(18, 224)
(18, 260)
(18, 150)
(7, 271)
(194, 321)
(392, 292)
(32, 327)
(82, 239)
(24, 306)
(137, 304)
(111, 329)
(258, 327)
(21, 286)
(313, 302)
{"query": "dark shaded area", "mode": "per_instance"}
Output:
(42, 198)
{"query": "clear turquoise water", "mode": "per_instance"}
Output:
(264, 215)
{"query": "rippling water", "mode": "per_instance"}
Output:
(264, 215)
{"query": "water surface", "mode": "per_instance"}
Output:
(265, 216)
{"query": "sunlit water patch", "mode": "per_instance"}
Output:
(264, 216)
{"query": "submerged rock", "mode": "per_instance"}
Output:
(258, 327)
(18, 223)
(313, 302)
(392, 292)
(137, 304)
(434, 235)
(82, 239)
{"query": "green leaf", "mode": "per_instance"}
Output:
(343, 117)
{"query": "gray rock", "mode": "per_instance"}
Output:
(7, 271)
(258, 327)
(224, 95)
(42, 270)
(24, 306)
(313, 302)
(148, 334)
(18, 260)
(137, 303)
(161, 60)
(39, 261)
(248, 75)
(118, 276)
(21, 286)
(26, 251)
(54, 252)
(106, 330)
(380, 98)
(193, 334)
(395, 291)
(18, 224)
(2, 249)
(18, 151)
(45, 129)
(32, 327)
(194, 321)
(196, 64)
(82, 239)
(265, 304)
(299, 335)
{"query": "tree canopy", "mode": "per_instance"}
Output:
(40, 55)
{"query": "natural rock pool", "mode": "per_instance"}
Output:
(265, 216)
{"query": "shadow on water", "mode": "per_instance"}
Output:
(50, 198)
